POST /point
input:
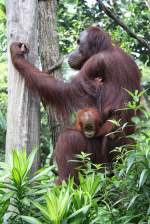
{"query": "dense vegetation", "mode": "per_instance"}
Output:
(74, 16)
(124, 198)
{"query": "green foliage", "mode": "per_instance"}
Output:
(18, 188)
(75, 16)
(3, 106)
(124, 198)
(3, 39)
(3, 80)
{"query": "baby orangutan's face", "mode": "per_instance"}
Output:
(88, 127)
(89, 120)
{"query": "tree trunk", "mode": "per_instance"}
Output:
(23, 106)
(49, 52)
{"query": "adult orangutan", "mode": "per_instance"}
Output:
(86, 137)
(97, 58)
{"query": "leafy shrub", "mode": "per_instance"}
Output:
(18, 188)
(124, 198)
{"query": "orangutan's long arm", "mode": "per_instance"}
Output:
(64, 96)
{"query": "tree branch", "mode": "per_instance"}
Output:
(56, 66)
(120, 23)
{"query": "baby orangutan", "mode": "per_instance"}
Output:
(86, 136)
(88, 122)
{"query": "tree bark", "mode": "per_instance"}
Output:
(49, 52)
(23, 106)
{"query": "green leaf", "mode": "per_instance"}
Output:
(131, 160)
(143, 177)
(130, 93)
(31, 159)
(52, 205)
(31, 220)
(5, 166)
(7, 186)
(42, 209)
(16, 162)
(2, 121)
(115, 122)
(42, 173)
(64, 202)
(136, 120)
(23, 162)
(16, 176)
(142, 92)
(7, 196)
(83, 210)
(132, 201)
(148, 211)
(26, 201)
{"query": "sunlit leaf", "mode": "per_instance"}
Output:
(16, 176)
(31, 220)
(143, 177)
(132, 201)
